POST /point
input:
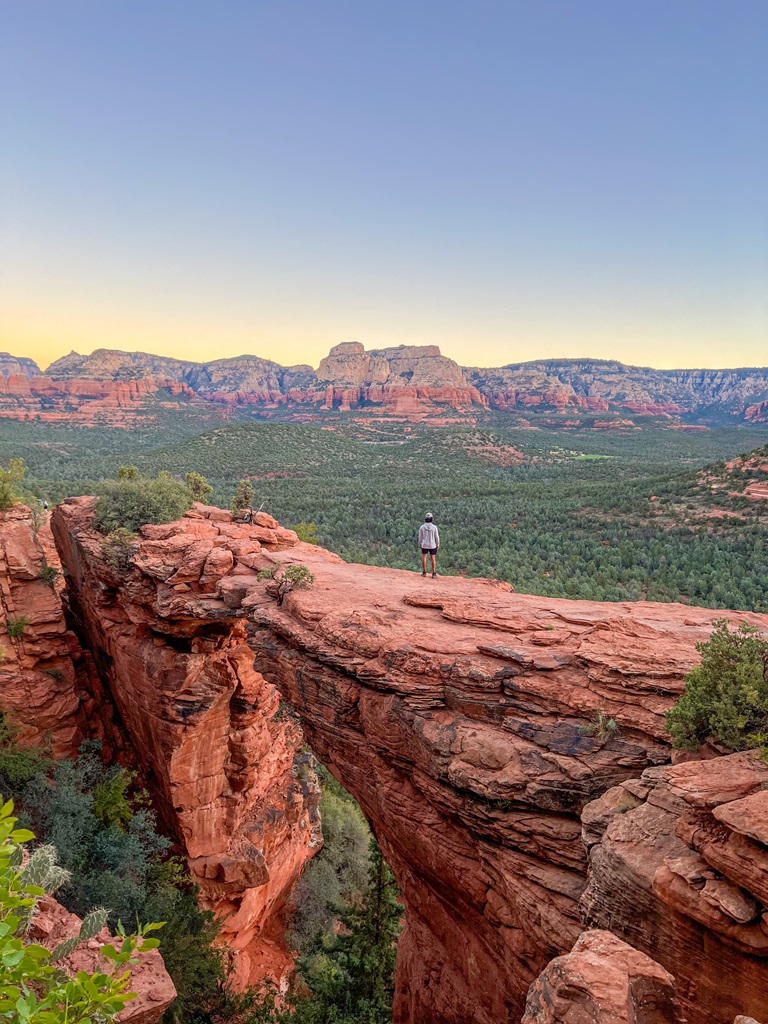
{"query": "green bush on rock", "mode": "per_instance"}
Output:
(130, 503)
(726, 696)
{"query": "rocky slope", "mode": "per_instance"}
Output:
(679, 868)
(407, 382)
(222, 763)
(457, 712)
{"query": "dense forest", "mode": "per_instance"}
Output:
(605, 515)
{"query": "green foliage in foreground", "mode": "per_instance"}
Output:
(130, 503)
(726, 696)
(32, 989)
(107, 841)
(10, 478)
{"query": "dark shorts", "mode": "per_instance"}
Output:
(429, 551)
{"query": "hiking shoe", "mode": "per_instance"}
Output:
(434, 575)
(423, 572)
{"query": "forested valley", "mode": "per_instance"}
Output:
(606, 515)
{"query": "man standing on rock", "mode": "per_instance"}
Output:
(429, 542)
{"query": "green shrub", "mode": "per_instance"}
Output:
(726, 696)
(602, 727)
(49, 574)
(128, 504)
(9, 478)
(33, 990)
(294, 577)
(198, 485)
(15, 627)
(118, 548)
(128, 473)
(242, 498)
(306, 532)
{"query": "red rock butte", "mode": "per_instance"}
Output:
(405, 382)
(454, 711)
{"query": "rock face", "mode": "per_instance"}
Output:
(149, 979)
(679, 868)
(603, 981)
(600, 385)
(41, 663)
(456, 711)
(410, 382)
(205, 727)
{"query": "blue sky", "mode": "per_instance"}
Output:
(516, 180)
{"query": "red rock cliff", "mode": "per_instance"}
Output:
(205, 726)
(454, 710)
(41, 663)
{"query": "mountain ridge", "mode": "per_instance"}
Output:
(408, 382)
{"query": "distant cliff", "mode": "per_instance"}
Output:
(407, 382)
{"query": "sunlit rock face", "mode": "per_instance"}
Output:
(202, 725)
(406, 382)
(461, 715)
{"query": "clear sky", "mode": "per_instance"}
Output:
(509, 179)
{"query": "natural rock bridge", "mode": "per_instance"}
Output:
(453, 710)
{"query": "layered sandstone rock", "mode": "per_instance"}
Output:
(411, 382)
(149, 979)
(679, 868)
(207, 728)
(456, 711)
(41, 665)
(603, 981)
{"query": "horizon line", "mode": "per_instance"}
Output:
(503, 366)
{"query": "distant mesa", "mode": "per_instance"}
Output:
(407, 382)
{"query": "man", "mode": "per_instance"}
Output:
(429, 542)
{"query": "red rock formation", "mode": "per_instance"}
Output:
(757, 413)
(204, 724)
(454, 710)
(149, 979)
(679, 868)
(603, 981)
(39, 670)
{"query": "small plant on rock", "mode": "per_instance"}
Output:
(294, 577)
(118, 547)
(49, 574)
(16, 627)
(601, 727)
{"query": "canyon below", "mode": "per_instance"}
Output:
(547, 872)
(410, 383)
